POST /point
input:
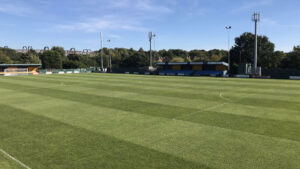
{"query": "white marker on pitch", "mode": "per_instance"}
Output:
(14, 159)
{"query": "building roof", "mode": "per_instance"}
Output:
(192, 63)
(11, 65)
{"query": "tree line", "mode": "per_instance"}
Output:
(121, 57)
(243, 50)
(240, 53)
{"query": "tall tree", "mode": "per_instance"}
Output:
(198, 55)
(13, 56)
(4, 59)
(243, 51)
(51, 60)
(293, 59)
(60, 50)
(30, 57)
(274, 61)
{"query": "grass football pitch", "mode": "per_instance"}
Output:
(103, 121)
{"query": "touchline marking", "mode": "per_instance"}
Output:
(14, 159)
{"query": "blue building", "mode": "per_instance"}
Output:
(193, 68)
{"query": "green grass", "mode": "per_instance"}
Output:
(6, 163)
(93, 121)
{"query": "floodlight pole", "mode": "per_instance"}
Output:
(101, 52)
(256, 19)
(151, 36)
(228, 32)
(110, 58)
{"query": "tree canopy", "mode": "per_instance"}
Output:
(292, 59)
(241, 53)
(9, 56)
(51, 60)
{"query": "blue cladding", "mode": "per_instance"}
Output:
(191, 72)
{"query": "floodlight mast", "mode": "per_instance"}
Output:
(110, 57)
(151, 36)
(228, 31)
(255, 19)
(101, 52)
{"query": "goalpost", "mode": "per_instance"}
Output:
(15, 71)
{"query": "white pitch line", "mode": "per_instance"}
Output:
(224, 98)
(203, 110)
(229, 101)
(14, 159)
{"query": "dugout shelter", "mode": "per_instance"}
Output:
(19, 69)
(193, 68)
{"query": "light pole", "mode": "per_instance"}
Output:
(110, 65)
(228, 32)
(101, 52)
(151, 36)
(255, 19)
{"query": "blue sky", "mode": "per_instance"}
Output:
(184, 24)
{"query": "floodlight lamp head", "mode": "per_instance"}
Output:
(150, 36)
(256, 17)
(228, 27)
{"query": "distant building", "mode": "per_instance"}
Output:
(193, 68)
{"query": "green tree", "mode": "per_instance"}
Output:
(293, 59)
(13, 56)
(163, 55)
(198, 55)
(4, 59)
(51, 60)
(144, 58)
(60, 50)
(274, 60)
(71, 64)
(215, 55)
(177, 59)
(243, 51)
(30, 57)
(74, 57)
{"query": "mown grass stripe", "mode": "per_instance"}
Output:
(170, 92)
(6, 163)
(209, 144)
(72, 147)
(214, 146)
(252, 111)
(214, 96)
(264, 113)
(257, 101)
(14, 159)
(245, 110)
(193, 79)
(194, 83)
(179, 138)
(288, 130)
(204, 96)
(200, 80)
(104, 101)
(207, 89)
(274, 128)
